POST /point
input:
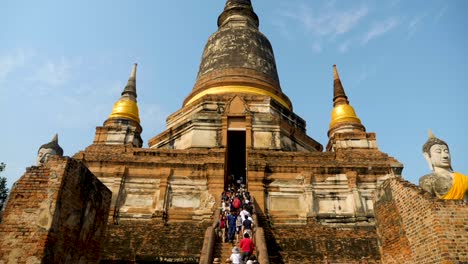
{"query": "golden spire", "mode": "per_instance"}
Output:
(126, 107)
(342, 111)
(339, 95)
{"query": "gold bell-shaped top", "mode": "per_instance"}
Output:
(342, 112)
(126, 107)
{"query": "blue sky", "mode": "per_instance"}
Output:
(403, 65)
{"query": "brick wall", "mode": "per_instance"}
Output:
(56, 213)
(315, 243)
(414, 227)
(137, 241)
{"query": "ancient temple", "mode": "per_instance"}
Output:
(238, 121)
(313, 203)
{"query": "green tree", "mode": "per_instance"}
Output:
(3, 188)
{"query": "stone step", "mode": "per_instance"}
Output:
(223, 250)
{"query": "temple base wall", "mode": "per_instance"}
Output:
(56, 213)
(315, 243)
(414, 227)
(139, 241)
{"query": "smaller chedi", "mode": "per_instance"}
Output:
(49, 149)
(443, 182)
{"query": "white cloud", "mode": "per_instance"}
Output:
(344, 46)
(36, 69)
(10, 63)
(440, 13)
(365, 72)
(394, 3)
(282, 28)
(317, 47)
(329, 21)
(414, 24)
(380, 29)
(348, 20)
(326, 23)
(54, 73)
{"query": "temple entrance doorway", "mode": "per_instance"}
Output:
(235, 159)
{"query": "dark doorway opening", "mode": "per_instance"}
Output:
(235, 159)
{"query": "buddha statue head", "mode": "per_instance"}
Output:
(442, 182)
(437, 154)
(50, 149)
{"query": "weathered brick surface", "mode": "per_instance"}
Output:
(314, 243)
(414, 227)
(56, 213)
(139, 241)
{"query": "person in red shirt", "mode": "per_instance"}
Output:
(247, 247)
(236, 203)
(222, 227)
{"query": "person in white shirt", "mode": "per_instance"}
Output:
(238, 226)
(243, 213)
(236, 257)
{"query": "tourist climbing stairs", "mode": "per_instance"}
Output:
(216, 250)
(222, 251)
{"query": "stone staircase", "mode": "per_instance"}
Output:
(223, 250)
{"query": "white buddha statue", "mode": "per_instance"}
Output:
(50, 149)
(442, 182)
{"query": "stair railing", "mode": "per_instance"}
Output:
(209, 241)
(259, 237)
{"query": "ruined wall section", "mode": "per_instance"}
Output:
(163, 200)
(158, 184)
(332, 188)
(56, 213)
(149, 240)
(415, 227)
(315, 243)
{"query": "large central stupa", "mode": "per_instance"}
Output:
(237, 96)
(238, 58)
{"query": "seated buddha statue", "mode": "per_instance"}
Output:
(47, 150)
(442, 182)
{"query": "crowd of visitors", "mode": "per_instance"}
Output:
(236, 224)
(236, 214)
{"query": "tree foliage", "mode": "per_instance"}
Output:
(3, 186)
